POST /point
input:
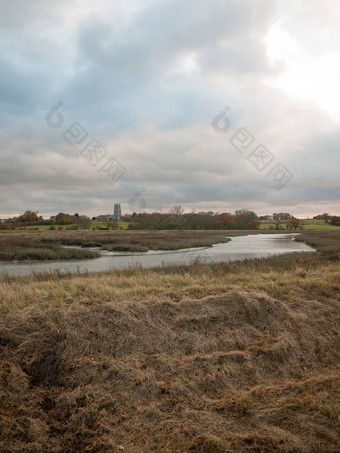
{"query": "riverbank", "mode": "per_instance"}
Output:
(325, 241)
(227, 357)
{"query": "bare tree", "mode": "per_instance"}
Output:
(177, 210)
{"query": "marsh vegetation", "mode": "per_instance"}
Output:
(50, 245)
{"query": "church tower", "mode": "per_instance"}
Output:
(117, 212)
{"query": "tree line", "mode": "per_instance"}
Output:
(31, 218)
(176, 219)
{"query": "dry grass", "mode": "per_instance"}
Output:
(146, 238)
(327, 241)
(229, 357)
(25, 247)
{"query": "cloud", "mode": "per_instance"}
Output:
(146, 79)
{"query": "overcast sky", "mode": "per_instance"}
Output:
(146, 79)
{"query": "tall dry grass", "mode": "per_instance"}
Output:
(228, 357)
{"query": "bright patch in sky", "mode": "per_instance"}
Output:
(303, 76)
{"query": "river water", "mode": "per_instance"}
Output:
(240, 247)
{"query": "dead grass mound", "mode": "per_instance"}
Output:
(242, 371)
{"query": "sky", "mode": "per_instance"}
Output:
(218, 106)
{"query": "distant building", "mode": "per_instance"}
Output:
(105, 218)
(266, 217)
(324, 216)
(117, 212)
(282, 216)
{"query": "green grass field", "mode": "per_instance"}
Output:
(319, 225)
(316, 225)
(122, 226)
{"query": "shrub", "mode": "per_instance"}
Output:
(92, 244)
(113, 226)
(254, 224)
(335, 220)
(52, 227)
(60, 227)
(6, 226)
(125, 248)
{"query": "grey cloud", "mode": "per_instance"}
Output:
(127, 83)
